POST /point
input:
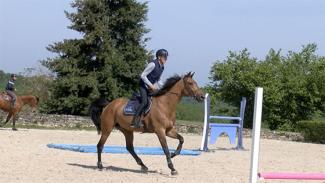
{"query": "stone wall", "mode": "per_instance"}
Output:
(70, 121)
(53, 120)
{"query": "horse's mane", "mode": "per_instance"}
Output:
(170, 82)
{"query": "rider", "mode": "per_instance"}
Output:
(149, 82)
(10, 88)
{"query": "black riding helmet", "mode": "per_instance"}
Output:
(13, 75)
(162, 53)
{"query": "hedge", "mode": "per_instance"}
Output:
(313, 131)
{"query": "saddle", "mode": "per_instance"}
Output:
(133, 104)
(5, 96)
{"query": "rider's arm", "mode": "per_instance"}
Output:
(150, 67)
(159, 84)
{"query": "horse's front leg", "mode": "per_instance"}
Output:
(162, 139)
(14, 122)
(173, 134)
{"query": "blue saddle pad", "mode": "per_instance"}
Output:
(133, 104)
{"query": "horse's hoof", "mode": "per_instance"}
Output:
(172, 155)
(144, 168)
(174, 172)
(14, 129)
(100, 166)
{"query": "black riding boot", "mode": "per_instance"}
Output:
(136, 122)
(12, 105)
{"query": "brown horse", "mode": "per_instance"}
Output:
(31, 100)
(161, 118)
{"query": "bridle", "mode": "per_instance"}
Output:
(194, 93)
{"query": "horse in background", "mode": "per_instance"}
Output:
(5, 105)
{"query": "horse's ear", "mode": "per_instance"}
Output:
(192, 74)
(189, 74)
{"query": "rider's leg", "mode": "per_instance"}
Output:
(144, 101)
(13, 96)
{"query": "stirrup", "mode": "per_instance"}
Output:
(136, 122)
(12, 105)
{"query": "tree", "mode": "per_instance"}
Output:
(234, 78)
(293, 84)
(105, 62)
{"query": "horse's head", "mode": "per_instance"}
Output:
(191, 88)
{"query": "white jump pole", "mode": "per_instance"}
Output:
(204, 142)
(256, 134)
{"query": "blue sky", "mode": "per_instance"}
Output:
(196, 33)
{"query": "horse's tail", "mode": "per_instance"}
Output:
(95, 110)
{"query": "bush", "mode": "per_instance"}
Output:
(313, 131)
(294, 84)
(189, 110)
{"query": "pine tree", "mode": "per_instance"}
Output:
(105, 62)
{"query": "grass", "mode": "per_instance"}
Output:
(184, 122)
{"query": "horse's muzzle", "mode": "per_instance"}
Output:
(199, 98)
(202, 98)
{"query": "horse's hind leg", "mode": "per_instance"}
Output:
(107, 128)
(100, 147)
(7, 120)
(129, 146)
